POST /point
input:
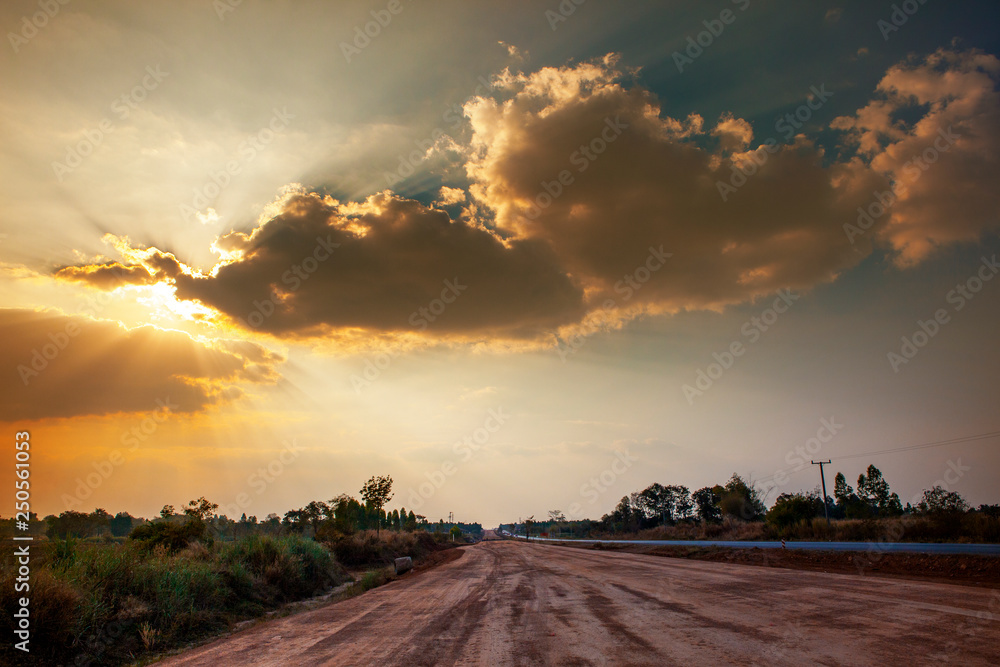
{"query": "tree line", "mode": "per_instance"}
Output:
(741, 499)
(340, 516)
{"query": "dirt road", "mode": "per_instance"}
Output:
(506, 603)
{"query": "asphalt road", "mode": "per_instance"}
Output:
(884, 547)
(512, 603)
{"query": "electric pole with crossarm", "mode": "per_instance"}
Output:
(822, 477)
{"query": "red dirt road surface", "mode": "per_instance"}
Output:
(507, 603)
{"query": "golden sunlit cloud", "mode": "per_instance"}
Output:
(649, 215)
(67, 366)
(943, 166)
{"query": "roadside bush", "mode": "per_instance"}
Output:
(174, 536)
(366, 548)
(292, 567)
(55, 611)
(791, 509)
(374, 579)
(112, 603)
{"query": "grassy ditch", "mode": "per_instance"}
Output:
(116, 602)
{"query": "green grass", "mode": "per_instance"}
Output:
(109, 604)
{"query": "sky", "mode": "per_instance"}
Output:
(520, 256)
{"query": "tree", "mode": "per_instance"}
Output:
(849, 506)
(315, 512)
(626, 516)
(941, 501)
(376, 492)
(654, 502)
(174, 536)
(529, 523)
(683, 505)
(989, 510)
(874, 491)
(167, 511)
(346, 513)
(556, 517)
(668, 504)
(121, 524)
(741, 499)
(295, 521)
(707, 505)
(792, 508)
(201, 509)
(842, 491)
(77, 524)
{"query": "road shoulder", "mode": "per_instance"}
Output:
(978, 571)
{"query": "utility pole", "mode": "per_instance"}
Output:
(822, 477)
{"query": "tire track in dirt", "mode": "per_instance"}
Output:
(510, 603)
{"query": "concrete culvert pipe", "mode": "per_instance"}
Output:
(404, 564)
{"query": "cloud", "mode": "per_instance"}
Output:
(733, 133)
(586, 204)
(107, 276)
(65, 366)
(632, 180)
(944, 163)
(451, 196)
(475, 394)
(387, 264)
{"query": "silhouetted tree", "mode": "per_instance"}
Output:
(874, 491)
(849, 506)
(741, 499)
(200, 509)
(941, 501)
(376, 492)
(706, 503)
(121, 524)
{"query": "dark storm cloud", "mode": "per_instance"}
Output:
(321, 264)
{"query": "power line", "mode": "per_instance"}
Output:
(891, 450)
(926, 445)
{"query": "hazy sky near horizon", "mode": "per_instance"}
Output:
(518, 258)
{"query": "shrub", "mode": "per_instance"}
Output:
(55, 613)
(290, 567)
(939, 500)
(790, 509)
(174, 536)
(110, 603)
(373, 579)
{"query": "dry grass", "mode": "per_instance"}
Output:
(368, 549)
(970, 527)
(108, 604)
